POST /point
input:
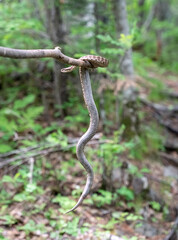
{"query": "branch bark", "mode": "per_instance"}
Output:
(42, 53)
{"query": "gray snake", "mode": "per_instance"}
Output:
(95, 61)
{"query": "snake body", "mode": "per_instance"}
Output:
(95, 61)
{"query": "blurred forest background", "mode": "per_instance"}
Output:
(42, 115)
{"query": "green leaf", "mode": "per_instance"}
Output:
(8, 219)
(33, 112)
(145, 170)
(23, 197)
(7, 179)
(10, 112)
(155, 205)
(125, 192)
(5, 148)
(22, 103)
(110, 224)
(65, 202)
(31, 187)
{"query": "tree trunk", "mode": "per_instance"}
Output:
(129, 116)
(54, 26)
(36, 10)
(141, 13)
(98, 14)
(122, 27)
(162, 13)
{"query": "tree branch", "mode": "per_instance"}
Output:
(159, 107)
(174, 232)
(42, 53)
(25, 153)
(170, 159)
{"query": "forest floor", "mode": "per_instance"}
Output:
(37, 213)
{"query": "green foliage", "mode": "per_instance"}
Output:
(19, 28)
(57, 137)
(143, 63)
(126, 193)
(104, 198)
(71, 227)
(149, 38)
(21, 110)
(165, 212)
(113, 48)
(74, 121)
(133, 170)
(109, 152)
(61, 227)
(132, 238)
(64, 202)
(2, 237)
(119, 217)
(155, 205)
(8, 220)
(5, 197)
(30, 193)
(32, 227)
(149, 141)
(110, 224)
(19, 116)
(125, 216)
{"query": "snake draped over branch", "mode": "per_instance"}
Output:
(95, 61)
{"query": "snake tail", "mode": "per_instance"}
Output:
(94, 120)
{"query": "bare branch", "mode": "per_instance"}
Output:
(174, 232)
(159, 107)
(170, 159)
(43, 53)
(23, 156)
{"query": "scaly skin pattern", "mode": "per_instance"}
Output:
(95, 61)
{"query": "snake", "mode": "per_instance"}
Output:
(95, 61)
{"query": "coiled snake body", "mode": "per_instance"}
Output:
(95, 61)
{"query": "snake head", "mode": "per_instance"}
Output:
(68, 69)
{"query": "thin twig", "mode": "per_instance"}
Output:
(9, 169)
(31, 161)
(45, 151)
(25, 156)
(18, 151)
